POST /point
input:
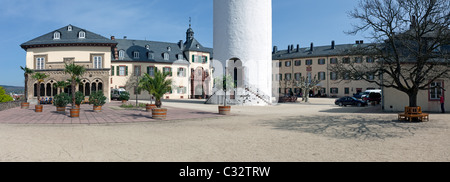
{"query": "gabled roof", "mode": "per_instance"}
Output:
(69, 38)
(194, 45)
(320, 51)
(156, 48)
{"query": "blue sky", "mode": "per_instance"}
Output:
(294, 22)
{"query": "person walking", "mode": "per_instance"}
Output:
(442, 100)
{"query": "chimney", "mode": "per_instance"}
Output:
(113, 38)
(361, 42)
(357, 42)
(180, 44)
(124, 37)
(333, 45)
(289, 49)
(292, 47)
(116, 53)
(312, 47)
(275, 49)
(298, 47)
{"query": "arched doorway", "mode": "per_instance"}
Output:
(236, 70)
(197, 83)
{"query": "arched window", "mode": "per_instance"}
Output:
(49, 90)
(81, 87)
(147, 47)
(94, 87)
(82, 34)
(100, 86)
(87, 89)
(56, 35)
(55, 90)
(35, 90)
(121, 54)
(42, 91)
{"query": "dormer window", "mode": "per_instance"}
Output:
(180, 56)
(136, 55)
(198, 46)
(56, 35)
(121, 54)
(147, 47)
(169, 49)
(166, 56)
(69, 28)
(150, 55)
(81, 35)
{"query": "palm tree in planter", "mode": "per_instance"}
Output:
(144, 84)
(40, 79)
(60, 101)
(27, 72)
(98, 99)
(75, 71)
(62, 85)
(159, 85)
(225, 83)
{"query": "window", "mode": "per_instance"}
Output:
(370, 76)
(56, 35)
(369, 59)
(358, 59)
(287, 64)
(181, 90)
(346, 76)
(321, 61)
(322, 76)
(298, 63)
(137, 70)
(40, 63)
(69, 28)
(204, 59)
(136, 55)
(151, 70)
(333, 76)
(309, 62)
(298, 76)
(346, 60)
(166, 56)
(121, 54)
(333, 61)
(150, 55)
(180, 56)
(334, 91)
(436, 90)
(167, 70)
(169, 49)
(181, 72)
(288, 76)
(123, 71)
(98, 62)
(147, 47)
(81, 34)
(346, 90)
(280, 77)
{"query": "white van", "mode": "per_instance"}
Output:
(115, 93)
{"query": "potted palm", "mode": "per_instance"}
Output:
(98, 99)
(60, 101)
(124, 97)
(62, 85)
(144, 84)
(40, 79)
(159, 85)
(225, 83)
(27, 72)
(75, 71)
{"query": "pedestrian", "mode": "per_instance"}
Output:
(442, 103)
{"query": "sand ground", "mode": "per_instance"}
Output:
(318, 131)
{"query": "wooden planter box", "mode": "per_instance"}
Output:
(150, 107)
(61, 110)
(25, 105)
(224, 110)
(159, 113)
(75, 113)
(97, 108)
(39, 108)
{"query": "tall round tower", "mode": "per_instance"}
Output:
(243, 44)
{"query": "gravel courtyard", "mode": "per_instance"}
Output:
(318, 131)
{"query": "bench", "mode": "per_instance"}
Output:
(413, 112)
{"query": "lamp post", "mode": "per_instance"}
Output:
(136, 89)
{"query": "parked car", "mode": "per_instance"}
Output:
(115, 93)
(345, 101)
(373, 97)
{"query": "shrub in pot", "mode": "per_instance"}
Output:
(60, 101)
(124, 97)
(225, 83)
(158, 85)
(40, 79)
(79, 98)
(97, 99)
(27, 72)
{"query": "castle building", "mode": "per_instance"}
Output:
(117, 63)
(314, 62)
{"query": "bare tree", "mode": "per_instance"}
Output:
(410, 44)
(307, 84)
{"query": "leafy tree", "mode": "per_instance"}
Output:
(62, 85)
(157, 85)
(4, 97)
(225, 83)
(411, 44)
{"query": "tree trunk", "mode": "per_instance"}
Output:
(38, 90)
(26, 88)
(73, 93)
(158, 103)
(413, 98)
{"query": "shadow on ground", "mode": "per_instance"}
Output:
(378, 127)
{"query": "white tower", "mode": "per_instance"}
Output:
(243, 43)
